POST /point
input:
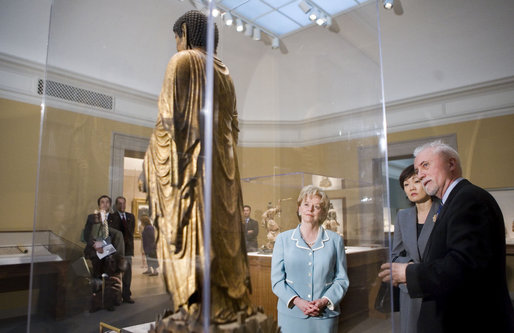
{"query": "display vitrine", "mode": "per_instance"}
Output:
(309, 112)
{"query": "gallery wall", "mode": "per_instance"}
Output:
(19, 137)
(76, 158)
(75, 166)
(485, 147)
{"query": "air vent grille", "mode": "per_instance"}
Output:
(74, 94)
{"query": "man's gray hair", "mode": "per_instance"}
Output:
(439, 147)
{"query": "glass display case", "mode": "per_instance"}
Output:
(84, 86)
(310, 112)
(365, 251)
(44, 267)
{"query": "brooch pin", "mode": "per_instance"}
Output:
(437, 214)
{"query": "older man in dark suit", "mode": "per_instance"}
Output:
(461, 277)
(125, 222)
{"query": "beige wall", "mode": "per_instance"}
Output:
(75, 166)
(338, 159)
(19, 136)
(76, 157)
(486, 148)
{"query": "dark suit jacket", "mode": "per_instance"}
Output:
(116, 237)
(251, 240)
(128, 233)
(462, 274)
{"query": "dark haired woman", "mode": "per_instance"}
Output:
(411, 232)
(174, 175)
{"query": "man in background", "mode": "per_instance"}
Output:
(99, 235)
(125, 222)
(252, 230)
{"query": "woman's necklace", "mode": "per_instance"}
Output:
(305, 239)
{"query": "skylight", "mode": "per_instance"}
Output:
(279, 18)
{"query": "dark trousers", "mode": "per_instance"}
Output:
(152, 262)
(127, 279)
(98, 268)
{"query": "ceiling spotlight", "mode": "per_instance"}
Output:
(314, 15)
(239, 25)
(215, 12)
(249, 30)
(388, 4)
(257, 34)
(275, 43)
(321, 20)
(305, 6)
(228, 19)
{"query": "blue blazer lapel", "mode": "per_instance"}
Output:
(297, 238)
(320, 242)
(300, 243)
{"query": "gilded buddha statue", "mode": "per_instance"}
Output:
(174, 167)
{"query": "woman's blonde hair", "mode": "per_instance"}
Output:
(145, 220)
(309, 191)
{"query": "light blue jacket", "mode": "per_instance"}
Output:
(297, 270)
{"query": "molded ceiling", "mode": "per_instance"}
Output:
(434, 46)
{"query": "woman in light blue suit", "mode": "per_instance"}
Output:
(308, 269)
(411, 232)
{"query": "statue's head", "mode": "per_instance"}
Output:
(191, 30)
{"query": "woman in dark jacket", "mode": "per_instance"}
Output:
(411, 232)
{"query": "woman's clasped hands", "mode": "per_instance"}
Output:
(312, 308)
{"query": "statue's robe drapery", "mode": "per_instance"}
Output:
(174, 172)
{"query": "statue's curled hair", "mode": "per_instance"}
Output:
(196, 25)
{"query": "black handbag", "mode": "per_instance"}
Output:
(383, 300)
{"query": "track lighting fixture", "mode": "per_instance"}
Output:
(231, 16)
(275, 43)
(227, 17)
(329, 21)
(388, 4)
(305, 6)
(248, 30)
(321, 20)
(239, 25)
(314, 15)
(215, 12)
(251, 30)
(256, 34)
